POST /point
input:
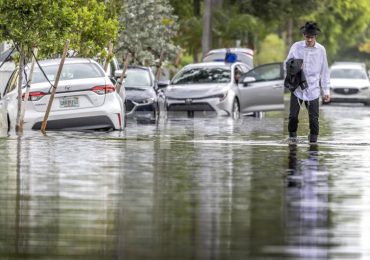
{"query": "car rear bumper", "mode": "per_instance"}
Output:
(107, 116)
(77, 123)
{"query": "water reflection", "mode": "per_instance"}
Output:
(307, 214)
(188, 188)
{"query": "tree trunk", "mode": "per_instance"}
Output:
(195, 56)
(207, 27)
(289, 37)
(196, 4)
(218, 3)
(20, 80)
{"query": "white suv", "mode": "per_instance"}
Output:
(349, 83)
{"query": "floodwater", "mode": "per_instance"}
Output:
(190, 188)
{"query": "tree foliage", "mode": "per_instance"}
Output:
(342, 22)
(94, 27)
(230, 25)
(149, 30)
(36, 23)
(47, 24)
(272, 49)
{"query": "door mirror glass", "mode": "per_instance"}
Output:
(163, 84)
(117, 73)
(248, 80)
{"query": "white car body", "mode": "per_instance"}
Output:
(349, 83)
(80, 103)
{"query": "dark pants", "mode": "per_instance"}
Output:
(313, 114)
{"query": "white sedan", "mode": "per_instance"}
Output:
(349, 83)
(85, 98)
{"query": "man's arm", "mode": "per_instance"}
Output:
(325, 78)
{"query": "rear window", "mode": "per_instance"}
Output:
(347, 74)
(203, 75)
(137, 78)
(70, 71)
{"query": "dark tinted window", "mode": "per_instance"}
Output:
(12, 83)
(202, 75)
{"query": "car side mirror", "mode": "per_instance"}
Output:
(118, 73)
(248, 80)
(163, 84)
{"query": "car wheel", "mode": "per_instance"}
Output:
(235, 113)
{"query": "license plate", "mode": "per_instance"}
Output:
(69, 102)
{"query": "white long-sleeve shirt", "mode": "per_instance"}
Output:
(315, 68)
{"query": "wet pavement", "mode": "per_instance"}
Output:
(190, 188)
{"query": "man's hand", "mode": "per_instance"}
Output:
(326, 98)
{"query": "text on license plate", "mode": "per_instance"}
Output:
(69, 102)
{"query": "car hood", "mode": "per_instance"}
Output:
(195, 90)
(139, 93)
(354, 83)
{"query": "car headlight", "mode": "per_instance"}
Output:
(146, 101)
(365, 88)
(221, 96)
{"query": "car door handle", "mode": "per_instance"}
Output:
(277, 86)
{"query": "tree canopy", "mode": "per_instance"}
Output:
(47, 25)
(149, 28)
(344, 24)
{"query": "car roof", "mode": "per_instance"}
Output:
(49, 62)
(137, 67)
(239, 50)
(212, 64)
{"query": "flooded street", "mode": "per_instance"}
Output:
(190, 188)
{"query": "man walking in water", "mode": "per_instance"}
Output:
(316, 72)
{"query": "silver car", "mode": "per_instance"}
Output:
(213, 86)
(349, 83)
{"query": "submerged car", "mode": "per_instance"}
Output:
(141, 93)
(214, 86)
(349, 83)
(85, 98)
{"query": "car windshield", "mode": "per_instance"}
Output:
(347, 74)
(70, 71)
(203, 75)
(137, 78)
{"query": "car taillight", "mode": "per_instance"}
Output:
(105, 89)
(34, 96)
